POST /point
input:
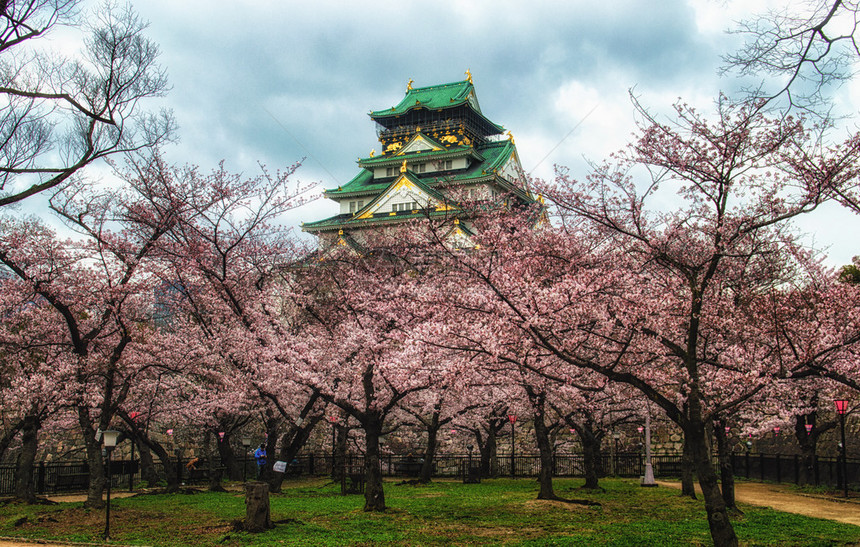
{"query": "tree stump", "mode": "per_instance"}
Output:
(257, 515)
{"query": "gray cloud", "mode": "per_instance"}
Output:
(271, 82)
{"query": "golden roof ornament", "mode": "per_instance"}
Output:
(372, 152)
(468, 75)
(409, 84)
(511, 137)
(403, 167)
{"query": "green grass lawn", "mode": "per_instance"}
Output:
(495, 512)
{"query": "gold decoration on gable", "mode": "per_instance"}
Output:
(393, 147)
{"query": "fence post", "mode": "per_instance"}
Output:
(748, 464)
(40, 482)
(761, 466)
(815, 469)
(778, 469)
(797, 469)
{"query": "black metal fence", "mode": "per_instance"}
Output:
(56, 477)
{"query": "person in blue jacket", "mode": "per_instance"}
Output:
(260, 456)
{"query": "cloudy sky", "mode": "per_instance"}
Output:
(273, 81)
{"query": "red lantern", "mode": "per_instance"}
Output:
(170, 432)
(841, 406)
(728, 429)
(572, 430)
(512, 418)
(776, 430)
(221, 435)
(808, 429)
(332, 419)
(640, 429)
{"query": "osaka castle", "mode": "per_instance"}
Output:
(440, 158)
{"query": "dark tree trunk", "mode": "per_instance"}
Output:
(727, 475)
(215, 470)
(292, 443)
(340, 445)
(489, 449)
(94, 460)
(374, 497)
(272, 424)
(591, 455)
(538, 404)
(9, 436)
(808, 445)
(722, 533)
(687, 471)
(25, 489)
(228, 457)
(430, 451)
(169, 465)
(147, 465)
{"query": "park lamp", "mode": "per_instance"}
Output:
(808, 429)
(246, 442)
(512, 418)
(110, 437)
(640, 429)
(841, 406)
(776, 431)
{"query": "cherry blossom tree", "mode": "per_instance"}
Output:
(33, 373)
(665, 299)
(230, 258)
(358, 357)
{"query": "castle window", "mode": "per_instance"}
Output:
(389, 171)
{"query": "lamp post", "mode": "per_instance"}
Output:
(333, 420)
(648, 479)
(513, 419)
(246, 444)
(841, 409)
(109, 438)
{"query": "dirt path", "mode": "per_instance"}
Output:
(781, 498)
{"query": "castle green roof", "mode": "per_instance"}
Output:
(436, 97)
(494, 155)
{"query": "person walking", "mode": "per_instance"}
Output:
(260, 456)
